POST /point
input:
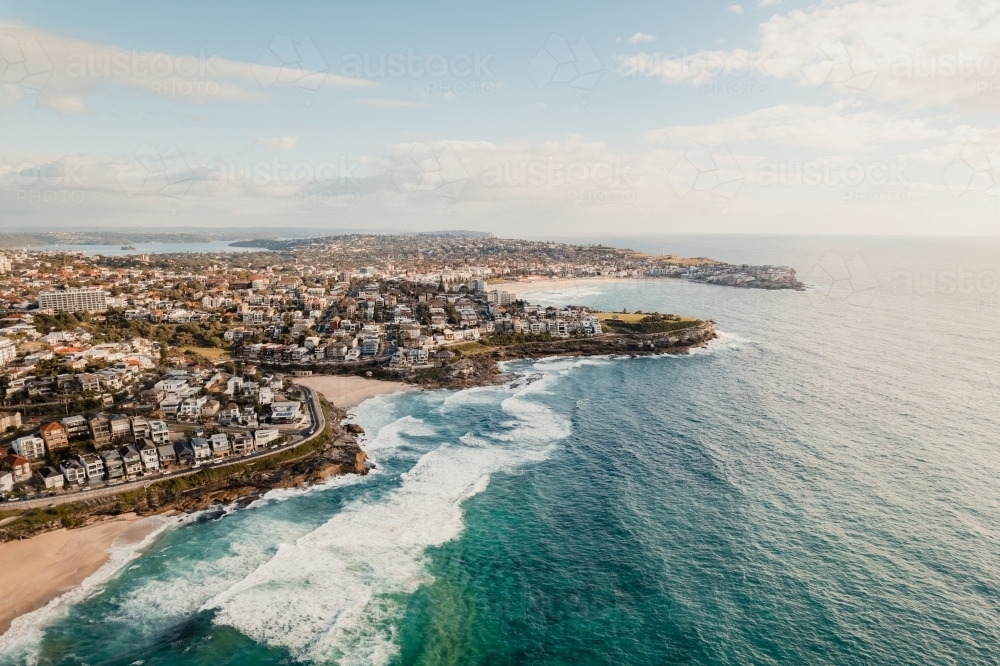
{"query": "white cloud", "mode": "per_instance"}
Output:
(830, 128)
(279, 143)
(768, 3)
(67, 70)
(641, 37)
(923, 52)
(735, 9)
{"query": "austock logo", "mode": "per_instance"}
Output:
(561, 62)
(422, 169)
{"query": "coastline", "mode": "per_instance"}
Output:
(560, 283)
(346, 391)
(43, 568)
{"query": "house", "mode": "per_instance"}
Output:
(74, 472)
(140, 428)
(184, 452)
(9, 420)
(220, 444)
(148, 454)
(51, 478)
(202, 450)
(167, 454)
(264, 437)
(169, 406)
(243, 443)
(266, 395)
(190, 408)
(286, 412)
(54, 435)
(100, 429)
(89, 382)
(131, 460)
(210, 409)
(114, 468)
(32, 448)
(6, 482)
(76, 427)
(94, 467)
(19, 466)
(152, 396)
(159, 432)
(121, 427)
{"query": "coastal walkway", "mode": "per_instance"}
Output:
(316, 427)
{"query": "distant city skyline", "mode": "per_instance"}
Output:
(778, 117)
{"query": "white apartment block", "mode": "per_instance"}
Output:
(31, 448)
(8, 351)
(73, 300)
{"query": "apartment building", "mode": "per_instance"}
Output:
(73, 300)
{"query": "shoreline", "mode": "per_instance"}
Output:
(40, 570)
(560, 283)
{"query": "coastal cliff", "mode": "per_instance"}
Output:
(481, 367)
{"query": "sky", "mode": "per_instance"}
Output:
(523, 119)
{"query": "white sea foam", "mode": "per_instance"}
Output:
(20, 641)
(333, 594)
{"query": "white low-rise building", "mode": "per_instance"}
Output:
(32, 448)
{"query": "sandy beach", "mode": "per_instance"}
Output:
(348, 391)
(41, 568)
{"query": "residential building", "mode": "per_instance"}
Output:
(73, 300)
(190, 408)
(100, 429)
(140, 428)
(243, 443)
(264, 437)
(202, 450)
(89, 382)
(167, 454)
(159, 432)
(9, 420)
(113, 466)
(74, 472)
(286, 412)
(8, 351)
(51, 478)
(94, 467)
(19, 466)
(121, 427)
(76, 427)
(220, 445)
(32, 448)
(6, 482)
(54, 435)
(131, 460)
(210, 409)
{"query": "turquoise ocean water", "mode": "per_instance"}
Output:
(818, 486)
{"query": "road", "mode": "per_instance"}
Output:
(316, 427)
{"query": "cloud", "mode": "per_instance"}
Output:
(62, 71)
(279, 143)
(826, 128)
(641, 37)
(922, 52)
(735, 9)
(768, 3)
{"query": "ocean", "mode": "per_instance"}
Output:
(819, 486)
